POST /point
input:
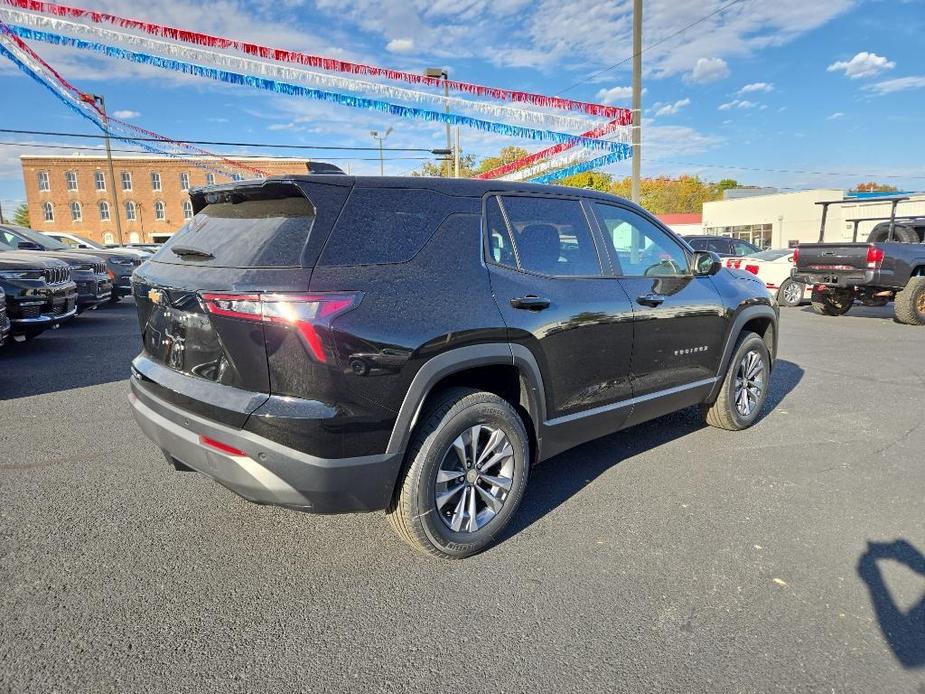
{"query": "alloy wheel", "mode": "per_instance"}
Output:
(749, 383)
(474, 478)
(793, 292)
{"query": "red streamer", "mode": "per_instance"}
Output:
(523, 162)
(332, 64)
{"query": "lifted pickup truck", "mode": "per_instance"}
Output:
(873, 273)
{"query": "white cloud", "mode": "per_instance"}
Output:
(709, 70)
(756, 87)
(899, 84)
(836, 116)
(614, 94)
(126, 114)
(671, 109)
(400, 46)
(743, 104)
(864, 64)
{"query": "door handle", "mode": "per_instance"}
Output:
(530, 302)
(652, 300)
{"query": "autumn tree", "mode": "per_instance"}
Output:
(439, 168)
(505, 156)
(873, 187)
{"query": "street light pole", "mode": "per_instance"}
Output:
(375, 134)
(637, 97)
(445, 76)
(112, 171)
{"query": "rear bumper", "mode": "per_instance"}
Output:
(834, 278)
(268, 473)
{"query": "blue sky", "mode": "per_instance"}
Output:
(790, 93)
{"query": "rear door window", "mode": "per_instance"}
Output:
(385, 225)
(551, 236)
(246, 233)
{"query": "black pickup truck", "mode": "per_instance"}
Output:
(873, 273)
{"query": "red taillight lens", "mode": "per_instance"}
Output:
(219, 446)
(752, 269)
(304, 312)
(874, 256)
(796, 255)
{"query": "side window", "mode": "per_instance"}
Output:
(720, 246)
(551, 236)
(640, 248)
(699, 244)
(743, 248)
(500, 248)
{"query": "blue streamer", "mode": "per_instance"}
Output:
(622, 152)
(289, 89)
(85, 114)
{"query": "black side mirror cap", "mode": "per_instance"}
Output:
(706, 263)
(28, 246)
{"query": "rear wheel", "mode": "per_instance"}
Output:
(790, 293)
(909, 305)
(836, 303)
(745, 386)
(465, 476)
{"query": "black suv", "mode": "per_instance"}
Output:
(39, 293)
(334, 343)
(723, 246)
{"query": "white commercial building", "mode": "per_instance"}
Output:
(782, 220)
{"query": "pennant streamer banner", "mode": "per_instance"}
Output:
(623, 151)
(318, 62)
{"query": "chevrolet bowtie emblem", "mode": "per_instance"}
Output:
(154, 296)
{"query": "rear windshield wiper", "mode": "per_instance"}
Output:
(186, 250)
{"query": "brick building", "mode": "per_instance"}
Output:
(74, 193)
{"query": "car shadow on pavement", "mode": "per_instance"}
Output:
(96, 347)
(904, 631)
(556, 480)
(860, 311)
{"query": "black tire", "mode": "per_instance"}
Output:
(832, 303)
(901, 234)
(909, 305)
(784, 289)
(413, 512)
(114, 298)
(724, 413)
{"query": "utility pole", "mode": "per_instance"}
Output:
(637, 97)
(375, 134)
(445, 76)
(96, 98)
(456, 174)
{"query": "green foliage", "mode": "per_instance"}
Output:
(505, 156)
(21, 216)
(439, 168)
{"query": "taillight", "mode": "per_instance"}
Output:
(874, 257)
(796, 255)
(752, 269)
(303, 312)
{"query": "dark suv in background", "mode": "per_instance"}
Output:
(334, 343)
(723, 246)
(39, 293)
(119, 264)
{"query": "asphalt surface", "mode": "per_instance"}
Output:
(669, 557)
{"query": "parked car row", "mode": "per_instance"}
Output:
(44, 282)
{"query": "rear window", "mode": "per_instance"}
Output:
(385, 225)
(246, 233)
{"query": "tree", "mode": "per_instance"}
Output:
(505, 156)
(438, 168)
(872, 187)
(21, 216)
(595, 180)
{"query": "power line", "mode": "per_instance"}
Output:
(715, 12)
(266, 145)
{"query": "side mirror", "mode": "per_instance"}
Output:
(706, 263)
(28, 246)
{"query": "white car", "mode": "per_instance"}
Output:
(77, 241)
(773, 267)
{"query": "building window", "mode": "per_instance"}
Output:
(237, 177)
(187, 209)
(130, 211)
(159, 212)
(108, 238)
(70, 178)
(126, 180)
(155, 180)
(104, 211)
(48, 212)
(76, 215)
(99, 180)
(184, 181)
(44, 184)
(210, 179)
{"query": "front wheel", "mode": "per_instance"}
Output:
(835, 303)
(745, 386)
(790, 293)
(465, 476)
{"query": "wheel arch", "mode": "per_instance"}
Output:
(760, 319)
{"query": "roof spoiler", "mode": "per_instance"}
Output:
(320, 167)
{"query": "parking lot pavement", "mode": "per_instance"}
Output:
(670, 556)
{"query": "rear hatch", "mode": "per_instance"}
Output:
(200, 298)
